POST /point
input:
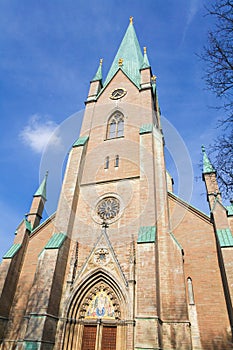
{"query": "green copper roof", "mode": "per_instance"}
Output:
(98, 75)
(81, 141)
(225, 237)
(130, 52)
(229, 209)
(145, 63)
(146, 129)
(31, 345)
(42, 188)
(28, 225)
(55, 241)
(207, 166)
(12, 251)
(147, 234)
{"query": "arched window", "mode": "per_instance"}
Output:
(115, 126)
(190, 291)
(106, 163)
(117, 161)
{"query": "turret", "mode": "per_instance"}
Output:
(35, 214)
(209, 177)
(156, 101)
(95, 84)
(145, 72)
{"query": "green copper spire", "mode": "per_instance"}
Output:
(207, 166)
(146, 63)
(129, 57)
(98, 75)
(42, 188)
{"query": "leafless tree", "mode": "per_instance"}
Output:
(218, 56)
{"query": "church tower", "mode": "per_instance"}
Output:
(112, 268)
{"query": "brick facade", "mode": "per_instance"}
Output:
(145, 267)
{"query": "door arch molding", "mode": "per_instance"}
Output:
(78, 318)
(89, 282)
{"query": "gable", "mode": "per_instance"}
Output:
(181, 211)
(119, 80)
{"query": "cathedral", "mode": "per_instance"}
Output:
(124, 263)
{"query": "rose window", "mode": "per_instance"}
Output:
(108, 208)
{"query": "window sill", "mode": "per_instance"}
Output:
(114, 138)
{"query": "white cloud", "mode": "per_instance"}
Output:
(193, 8)
(39, 132)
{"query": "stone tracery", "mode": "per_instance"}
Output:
(108, 208)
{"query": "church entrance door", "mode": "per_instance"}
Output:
(89, 338)
(106, 336)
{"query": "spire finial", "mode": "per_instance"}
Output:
(153, 78)
(131, 20)
(120, 61)
(101, 61)
(144, 49)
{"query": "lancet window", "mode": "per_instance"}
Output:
(190, 291)
(117, 161)
(106, 163)
(115, 126)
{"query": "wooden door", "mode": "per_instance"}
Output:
(89, 338)
(108, 338)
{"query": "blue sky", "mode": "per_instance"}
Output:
(50, 50)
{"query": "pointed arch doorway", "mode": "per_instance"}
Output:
(102, 310)
(94, 321)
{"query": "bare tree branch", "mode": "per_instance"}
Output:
(218, 56)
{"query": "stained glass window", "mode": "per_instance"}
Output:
(108, 208)
(115, 126)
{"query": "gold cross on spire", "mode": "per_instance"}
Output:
(131, 20)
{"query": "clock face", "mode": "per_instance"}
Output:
(118, 93)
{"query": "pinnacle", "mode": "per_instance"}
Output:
(42, 188)
(207, 166)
